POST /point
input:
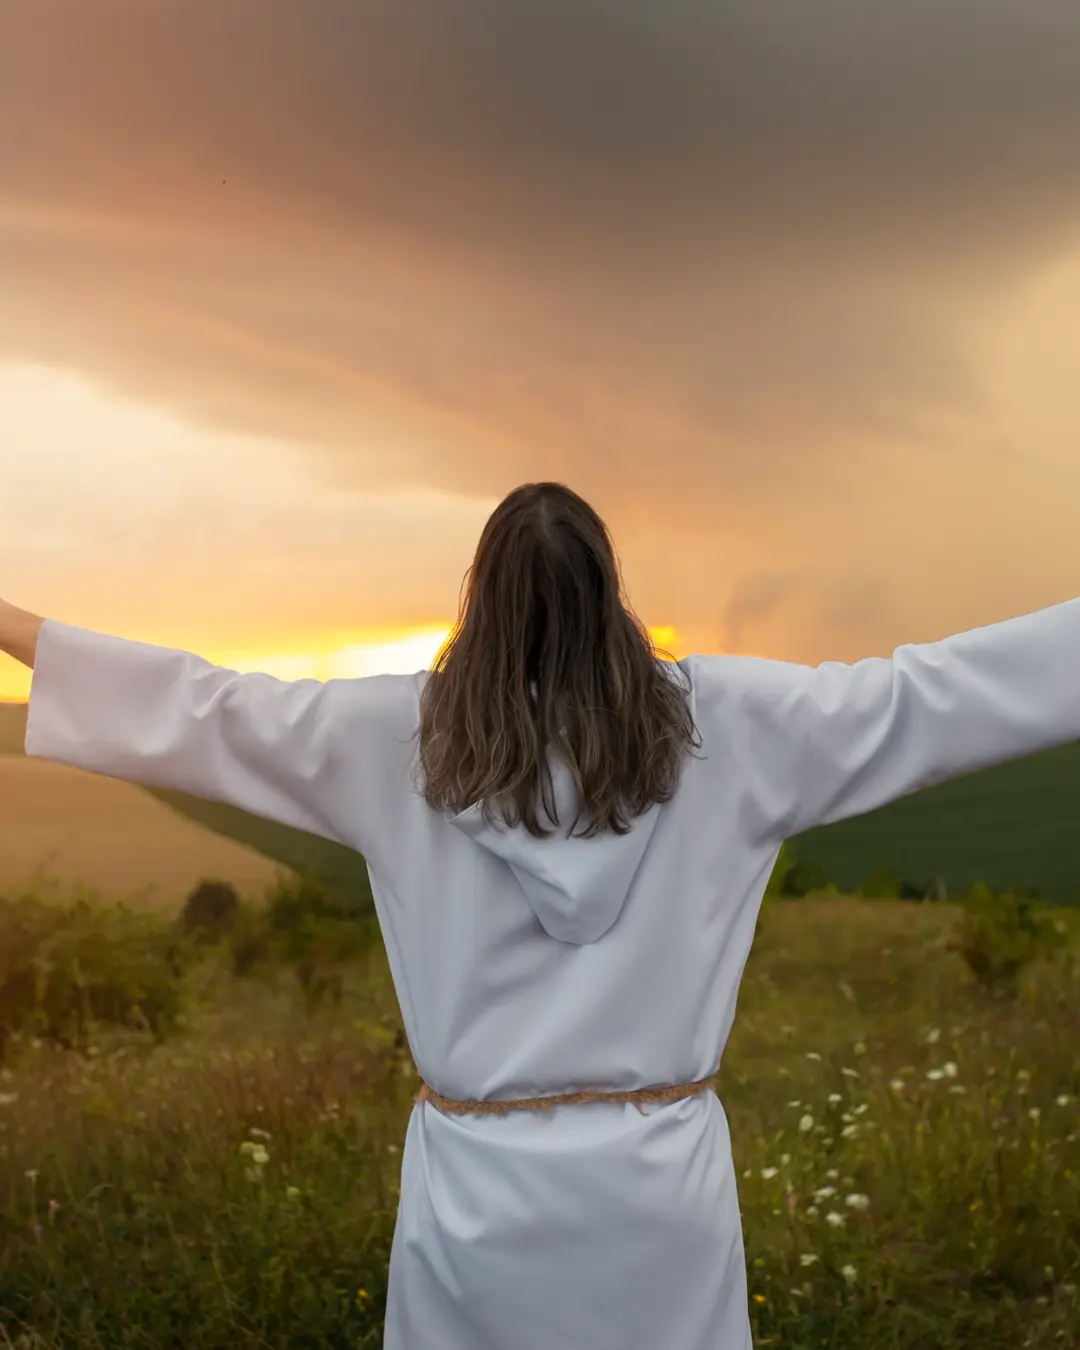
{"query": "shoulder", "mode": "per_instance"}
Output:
(377, 702)
(732, 685)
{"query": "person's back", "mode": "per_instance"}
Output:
(568, 842)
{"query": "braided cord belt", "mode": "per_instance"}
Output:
(673, 1092)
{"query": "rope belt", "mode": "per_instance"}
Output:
(672, 1093)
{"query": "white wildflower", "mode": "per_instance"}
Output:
(857, 1201)
(849, 1273)
(850, 1073)
(767, 1173)
(950, 1070)
(824, 1192)
(806, 1124)
(836, 1220)
(1034, 1113)
(1064, 1099)
(935, 1075)
(933, 1036)
(813, 1054)
(807, 1259)
(835, 1097)
(849, 1131)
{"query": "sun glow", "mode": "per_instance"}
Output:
(377, 653)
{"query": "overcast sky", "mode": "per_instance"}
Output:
(292, 293)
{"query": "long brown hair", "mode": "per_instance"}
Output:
(546, 654)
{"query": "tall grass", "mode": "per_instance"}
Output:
(907, 1146)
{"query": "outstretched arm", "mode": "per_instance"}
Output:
(19, 633)
(822, 743)
(302, 753)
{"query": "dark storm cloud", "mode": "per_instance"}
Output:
(630, 243)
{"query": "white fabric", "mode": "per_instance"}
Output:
(526, 967)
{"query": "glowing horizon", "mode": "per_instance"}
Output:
(379, 652)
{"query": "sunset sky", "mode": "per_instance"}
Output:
(292, 293)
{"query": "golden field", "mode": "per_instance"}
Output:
(111, 836)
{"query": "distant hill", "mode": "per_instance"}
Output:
(1014, 825)
(12, 728)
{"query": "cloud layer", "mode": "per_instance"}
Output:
(726, 268)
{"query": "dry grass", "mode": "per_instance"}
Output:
(110, 835)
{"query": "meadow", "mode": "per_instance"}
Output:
(200, 1140)
(907, 1142)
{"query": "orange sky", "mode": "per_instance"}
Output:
(288, 304)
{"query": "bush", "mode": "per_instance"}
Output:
(210, 911)
(66, 970)
(307, 925)
(803, 877)
(882, 885)
(1000, 935)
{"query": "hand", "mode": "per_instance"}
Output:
(19, 633)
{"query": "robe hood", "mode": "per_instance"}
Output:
(577, 887)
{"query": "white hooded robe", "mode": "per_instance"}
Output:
(527, 967)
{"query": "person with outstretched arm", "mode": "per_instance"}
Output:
(568, 840)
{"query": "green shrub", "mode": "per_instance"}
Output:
(307, 925)
(803, 877)
(882, 885)
(66, 970)
(210, 910)
(1000, 935)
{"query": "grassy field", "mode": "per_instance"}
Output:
(907, 1149)
(113, 837)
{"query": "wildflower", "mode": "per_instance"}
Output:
(832, 1174)
(1034, 1113)
(812, 1212)
(860, 1049)
(849, 1131)
(362, 1295)
(807, 1259)
(785, 1158)
(247, 1148)
(759, 1298)
(836, 1220)
(857, 1201)
(849, 1273)
(32, 1174)
(958, 1089)
(835, 1097)
(767, 1173)
(806, 1124)
(1064, 1099)
(862, 1108)
(8, 1098)
(258, 1134)
(794, 1105)
(950, 1070)
(824, 1192)
(847, 1117)
(933, 1036)
(813, 1054)
(935, 1075)
(850, 1073)
(292, 1193)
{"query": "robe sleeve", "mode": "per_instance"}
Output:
(170, 719)
(832, 741)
